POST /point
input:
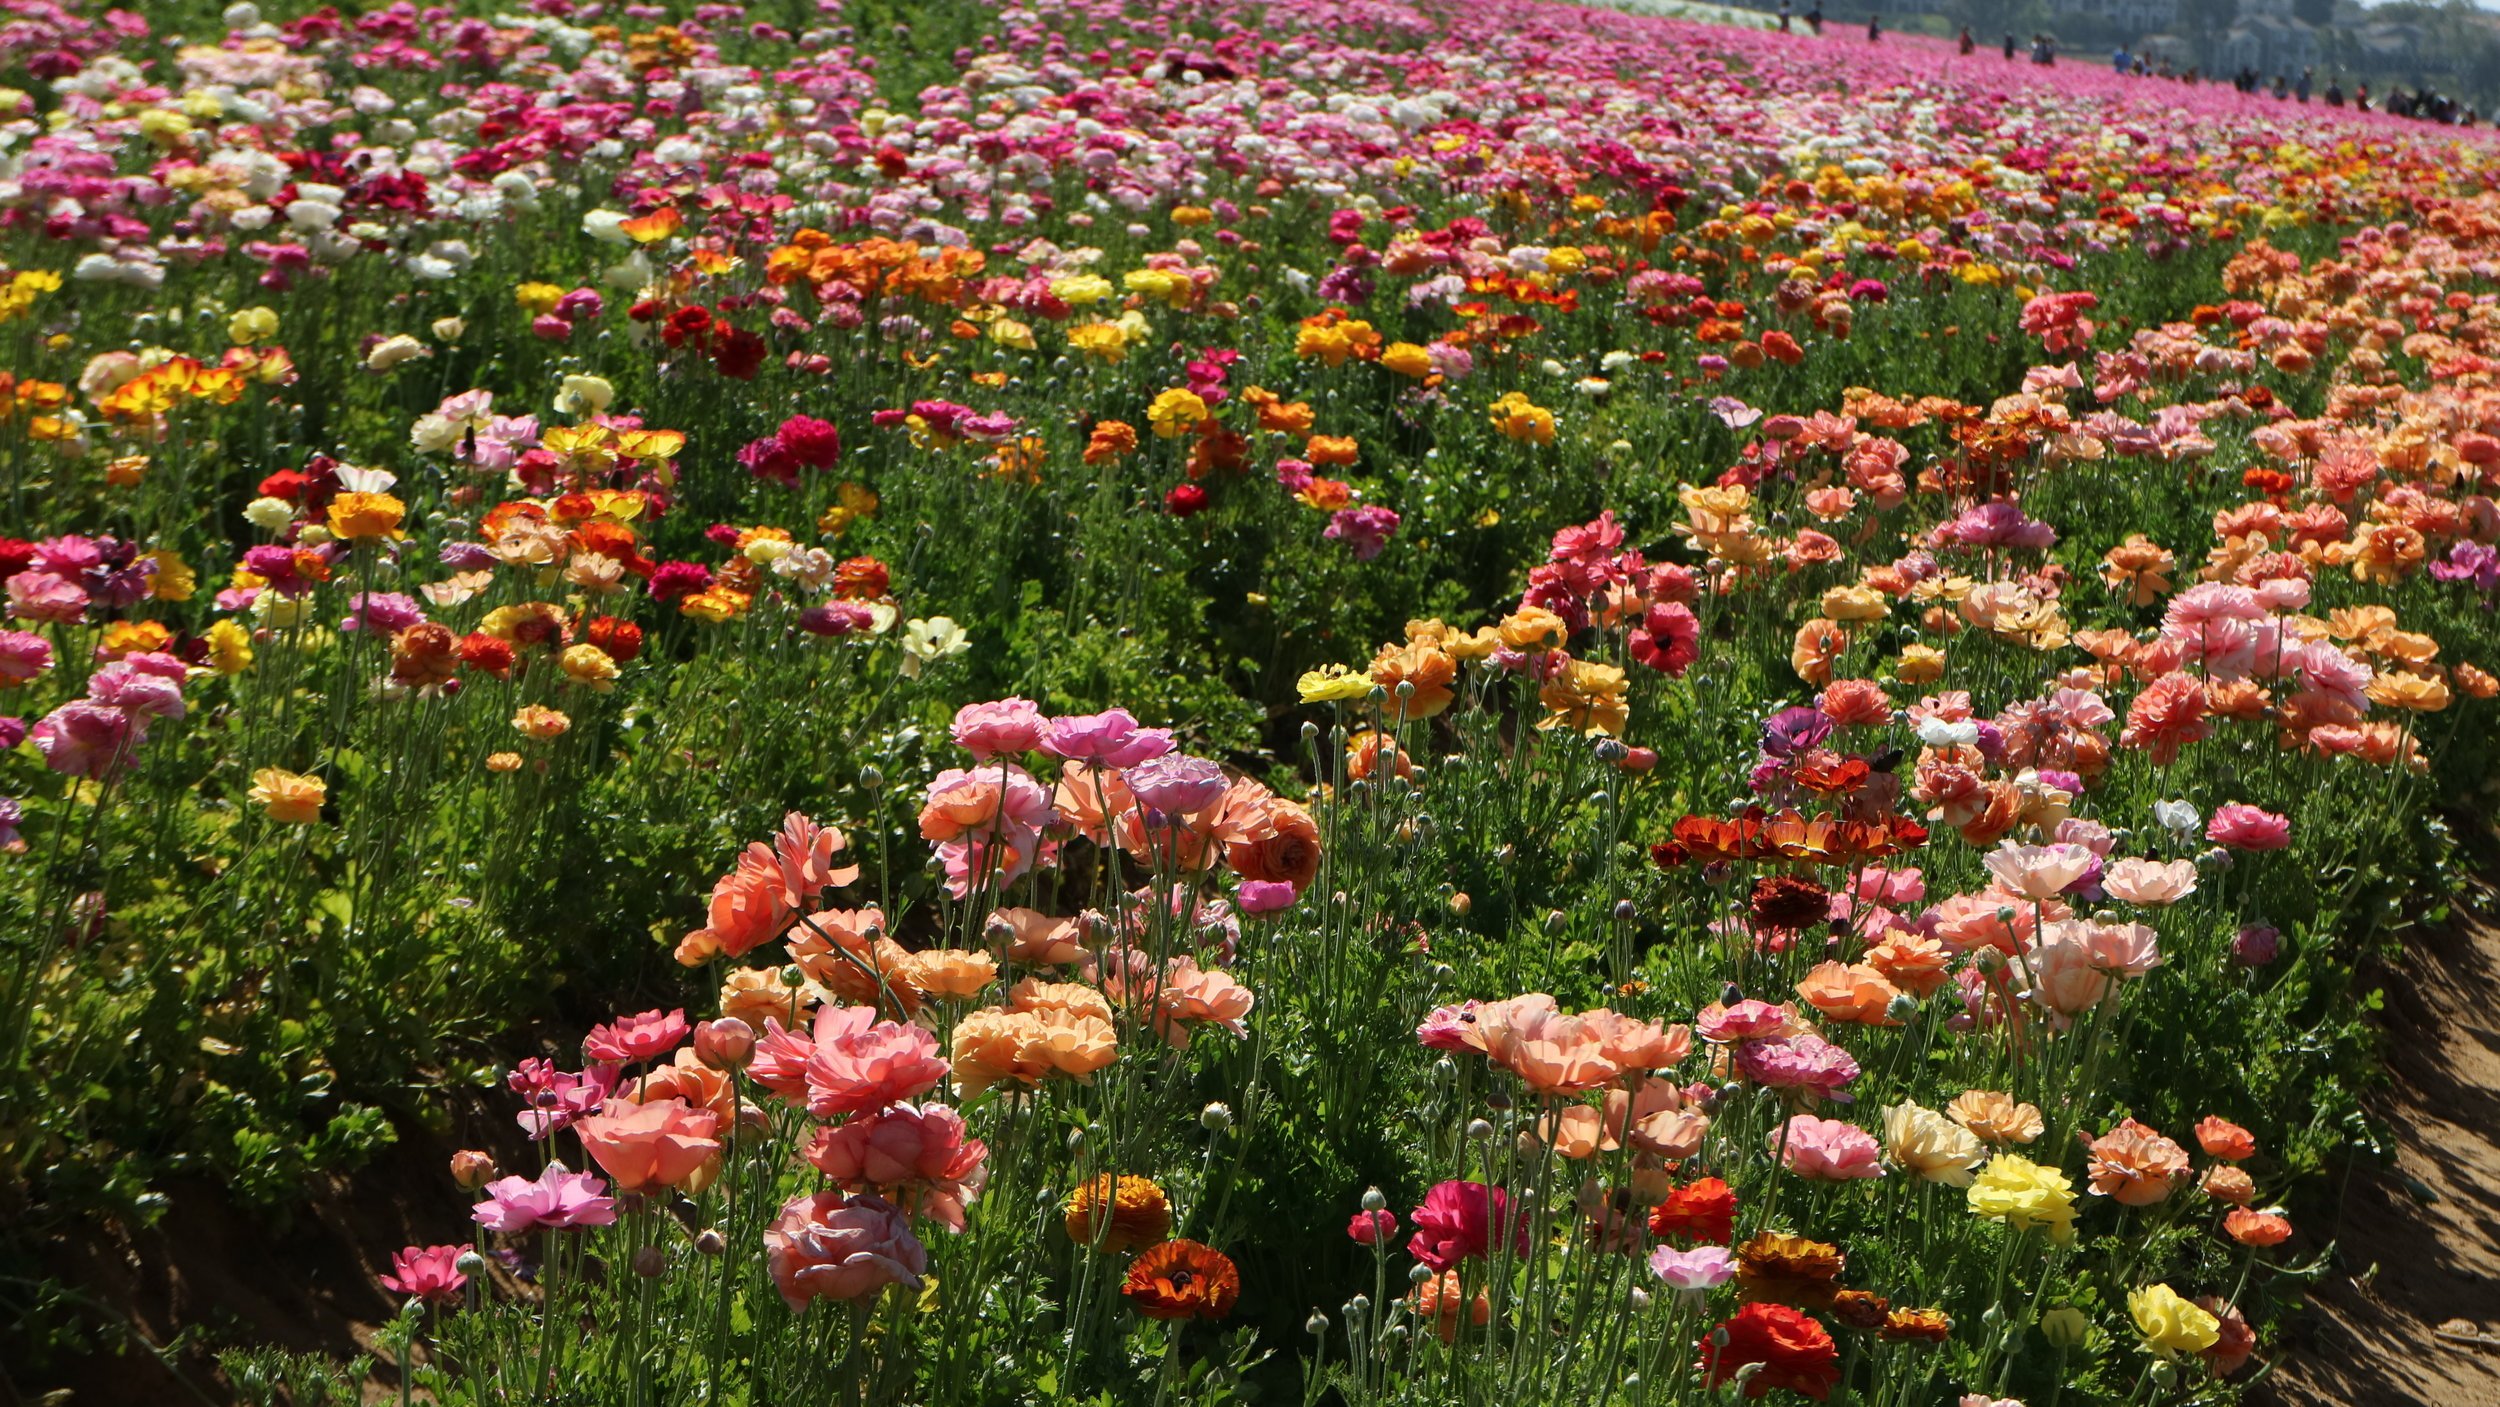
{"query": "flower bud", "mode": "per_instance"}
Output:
(470, 1264)
(650, 1262)
(1316, 1325)
(708, 1242)
(1418, 1274)
(2256, 945)
(726, 1044)
(2064, 1326)
(1902, 1009)
(1216, 1117)
(871, 778)
(1479, 1130)
(472, 1169)
(1374, 1200)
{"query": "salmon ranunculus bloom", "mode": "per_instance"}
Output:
(1851, 992)
(915, 1154)
(1267, 838)
(1553, 1053)
(2253, 1228)
(2149, 883)
(862, 1064)
(2220, 1138)
(2134, 1165)
(647, 1147)
(1996, 1117)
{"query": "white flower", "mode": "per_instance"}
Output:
(584, 396)
(269, 514)
(927, 641)
(1937, 732)
(392, 351)
(2177, 817)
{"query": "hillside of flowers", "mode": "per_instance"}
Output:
(1179, 701)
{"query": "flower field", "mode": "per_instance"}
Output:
(1182, 701)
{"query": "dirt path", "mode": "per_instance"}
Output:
(2411, 1311)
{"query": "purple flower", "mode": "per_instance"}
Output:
(467, 557)
(385, 612)
(2475, 563)
(556, 1198)
(1793, 730)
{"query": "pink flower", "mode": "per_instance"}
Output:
(43, 596)
(427, 1273)
(1001, 800)
(557, 1098)
(830, 1246)
(916, 1153)
(140, 686)
(781, 1057)
(1111, 737)
(556, 1198)
(1451, 1028)
(2150, 883)
(1372, 1228)
(1694, 1271)
(1827, 1150)
(629, 1039)
(1804, 1062)
(84, 739)
(1008, 727)
(1746, 1020)
(1177, 784)
(1457, 1222)
(1265, 896)
(2240, 826)
(861, 1063)
(23, 656)
(646, 1147)
(2037, 872)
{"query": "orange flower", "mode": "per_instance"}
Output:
(952, 973)
(2256, 1228)
(1437, 1302)
(1820, 644)
(1792, 1270)
(1426, 666)
(1995, 1117)
(2225, 1183)
(355, 516)
(1849, 992)
(2220, 1138)
(1183, 1280)
(1124, 1213)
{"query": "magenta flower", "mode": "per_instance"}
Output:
(1111, 737)
(2240, 826)
(1458, 1221)
(1804, 1062)
(430, 1273)
(24, 656)
(1372, 1228)
(1365, 529)
(556, 1199)
(1177, 784)
(45, 596)
(87, 739)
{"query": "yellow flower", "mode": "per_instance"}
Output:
(173, 579)
(536, 721)
(1106, 341)
(2170, 1324)
(355, 516)
(1333, 683)
(1927, 1143)
(2024, 1195)
(1407, 359)
(1588, 698)
(1854, 603)
(503, 762)
(1920, 664)
(1175, 412)
(252, 325)
(1520, 419)
(289, 797)
(588, 664)
(133, 637)
(1080, 290)
(538, 299)
(229, 647)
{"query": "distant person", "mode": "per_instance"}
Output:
(1784, 17)
(2165, 72)
(2282, 86)
(2334, 93)
(1814, 19)
(2009, 48)
(2361, 97)
(2301, 89)
(2470, 118)
(1875, 29)
(2119, 61)
(1969, 45)
(2138, 70)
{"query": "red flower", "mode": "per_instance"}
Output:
(487, 655)
(1794, 1349)
(1185, 500)
(1702, 1211)
(622, 639)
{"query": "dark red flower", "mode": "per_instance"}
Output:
(1794, 1349)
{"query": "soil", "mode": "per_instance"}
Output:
(2410, 1310)
(211, 1274)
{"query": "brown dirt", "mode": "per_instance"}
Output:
(211, 1274)
(2410, 1310)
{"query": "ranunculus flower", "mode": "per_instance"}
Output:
(2239, 826)
(556, 1198)
(862, 1064)
(917, 1154)
(1694, 1271)
(1794, 1349)
(1826, 1150)
(1457, 1222)
(646, 1147)
(832, 1246)
(630, 1039)
(429, 1273)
